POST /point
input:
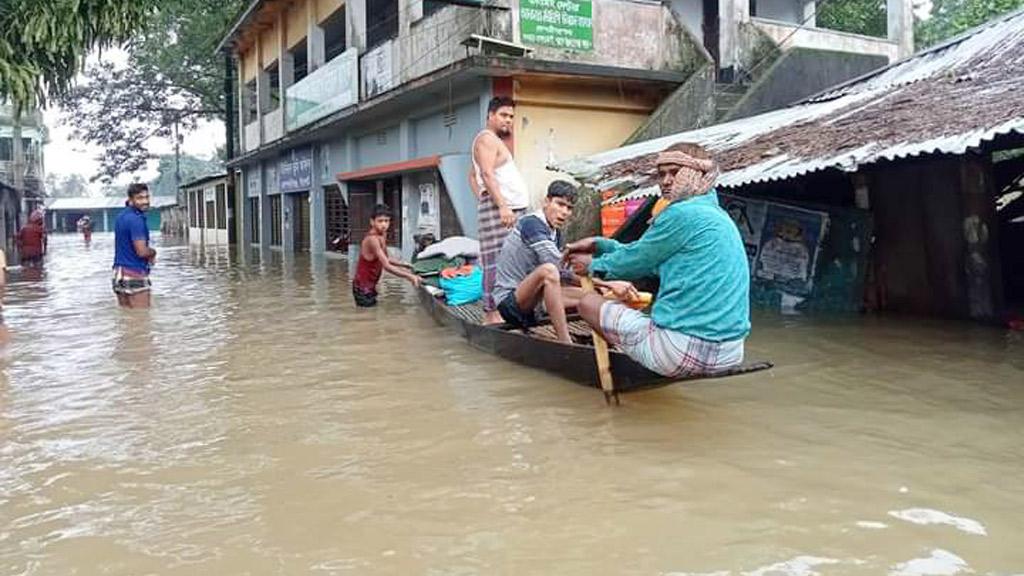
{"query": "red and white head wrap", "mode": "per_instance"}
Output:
(696, 176)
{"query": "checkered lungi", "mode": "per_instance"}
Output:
(491, 235)
(667, 352)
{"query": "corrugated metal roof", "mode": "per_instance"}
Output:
(103, 202)
(945, 100)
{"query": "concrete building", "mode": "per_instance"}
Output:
(342, 105)
(22, 171)
(903, 186)
(208, 213)
(62, 214)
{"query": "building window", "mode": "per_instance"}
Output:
(249, 101)
(274, 87)
(336, 219)
(381, 22)
(334, 34)
(431, 6)
(222, 207)
(275, 220)
(254, 220)
(300, 62)
(6, 149)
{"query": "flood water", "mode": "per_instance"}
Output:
(255, 422)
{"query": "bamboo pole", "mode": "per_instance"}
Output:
(604, 366)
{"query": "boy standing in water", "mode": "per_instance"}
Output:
(373, 258)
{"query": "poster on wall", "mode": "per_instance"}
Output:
(566, 24)
(252, 182)
(428, 208)
(749, 217)
(376, 71)
(790, 241)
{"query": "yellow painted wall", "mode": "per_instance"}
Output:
(325, 8)
(269, 39)
(565, 119)
(296, 22)
(249, 66)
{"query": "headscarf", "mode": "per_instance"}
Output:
(36, 216)
(696, 176)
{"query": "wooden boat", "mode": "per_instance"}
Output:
(538, 347)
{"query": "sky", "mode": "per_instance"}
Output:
(64, 155)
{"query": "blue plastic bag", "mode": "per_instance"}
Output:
(464, 289)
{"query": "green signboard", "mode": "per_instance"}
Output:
(567, 24)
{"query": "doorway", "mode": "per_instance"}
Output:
(710, 28)
(300, 224)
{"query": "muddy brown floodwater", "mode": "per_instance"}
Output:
(255, 422)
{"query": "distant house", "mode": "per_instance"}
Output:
(62, 214)
(902, 183)
(208, 210)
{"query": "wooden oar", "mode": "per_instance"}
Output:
(604, 365)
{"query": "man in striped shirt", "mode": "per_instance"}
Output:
(530, 270)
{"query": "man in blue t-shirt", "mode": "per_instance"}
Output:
(133, 256)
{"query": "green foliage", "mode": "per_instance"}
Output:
(192, 167)
(67, 186)
(952, 17)
(866, 17)
(172, 77)
(43, 43)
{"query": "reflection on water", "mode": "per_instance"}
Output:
(255, 422)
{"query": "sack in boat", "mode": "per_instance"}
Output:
(462, 285)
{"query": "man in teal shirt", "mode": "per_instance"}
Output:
(701, 315)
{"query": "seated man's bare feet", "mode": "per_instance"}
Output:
(493, 317)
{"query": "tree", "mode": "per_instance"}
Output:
(951, 17)
(43, 43)
(867, 17)
(67, 186)
(192, 168)
(172, 80)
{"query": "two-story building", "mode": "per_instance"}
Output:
(21, 170)
(344, 104)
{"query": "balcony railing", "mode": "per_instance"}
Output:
(332, 87)
(795, 36)
(252, 136)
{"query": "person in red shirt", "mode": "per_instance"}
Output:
(32, 241)
(373, 259)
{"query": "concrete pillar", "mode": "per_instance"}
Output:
(355, 25)
(265, 218)
(285, 63)
(317, 216)
(731, 14)
(981, 258)
(106, 220)
(810, 9)
(314, 38)
(405, 144)
(900, 19)
(288, 222)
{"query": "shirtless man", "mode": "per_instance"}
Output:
(500, 191)
(373, 259)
